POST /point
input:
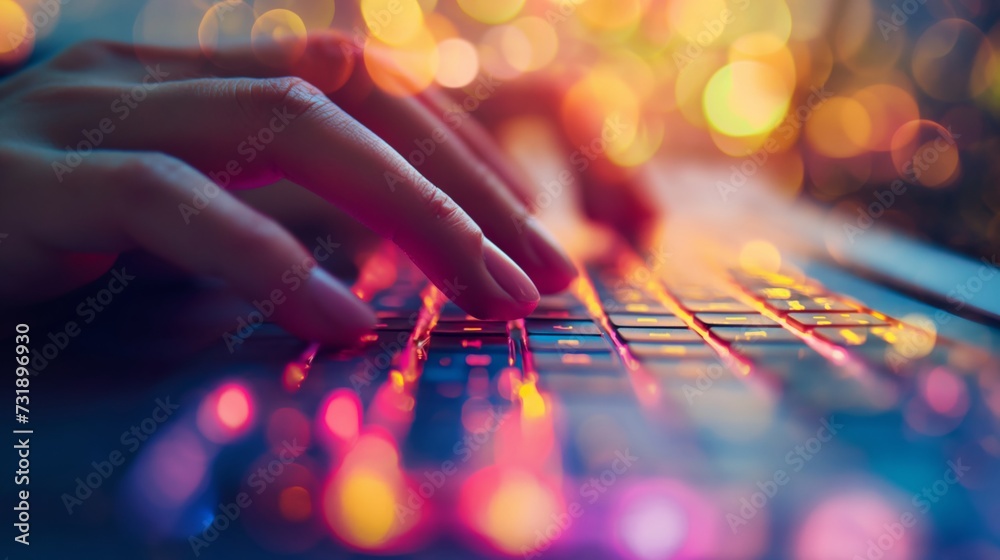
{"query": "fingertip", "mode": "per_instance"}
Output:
(521, 294)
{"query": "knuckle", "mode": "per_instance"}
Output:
(293, 93)
(441, 207)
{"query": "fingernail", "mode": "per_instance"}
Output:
(342, 308)
(508, 275)
(546, 250)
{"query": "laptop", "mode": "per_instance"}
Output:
(752, 391)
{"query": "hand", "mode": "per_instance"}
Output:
(106, 148)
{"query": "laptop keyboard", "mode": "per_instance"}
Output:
(611, 327)
(710, 381)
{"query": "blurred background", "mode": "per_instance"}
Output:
(832, 100)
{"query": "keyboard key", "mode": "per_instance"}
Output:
(573, 361)
(797, 292)
(864, 341)
(471, 343)
(471, 327)
(640, 309)
(726, 305)
(643, 350)
(568, 343)
(809, 320)
(546, 326)
(753, 334)
(845, 336)
(735, 319)
(659, 335)
(661, 321)
(810, 304)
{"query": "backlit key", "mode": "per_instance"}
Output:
(797, 292)
(544, 326)
(810, 304)
(568, 343)
(808, 320)
(471, 327)
(661, 321)
(735, 319)
(717, 306)
(754, 334)
(659, 335)
(569, 361)
(645, 309)
(494, 342)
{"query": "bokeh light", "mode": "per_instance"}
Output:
(225, 25)
(278, 37)
(847, 523)
(491, 11)
(926, 153)
(226, 413)
(394, 22)
(953, 60)
(315, 14)
(17, 33)
(459, 63)
(340, 416)
(746, 98)
(404, 68)
(839, 128)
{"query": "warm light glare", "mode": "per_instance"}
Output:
(746, 98)
(459, 63)
(491, 11)
(342, 415)
(17, 33)
(234, 407)
(278, 37)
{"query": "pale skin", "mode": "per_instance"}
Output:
(320, 136)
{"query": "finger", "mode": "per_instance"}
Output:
(140, 199)
(246, 133)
